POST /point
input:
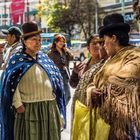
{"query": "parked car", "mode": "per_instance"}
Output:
(79, 50)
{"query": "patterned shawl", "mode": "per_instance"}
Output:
(86, 79)
(16, 68)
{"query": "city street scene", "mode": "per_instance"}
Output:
(69, 69)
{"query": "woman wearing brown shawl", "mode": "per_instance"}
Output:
(117, 83)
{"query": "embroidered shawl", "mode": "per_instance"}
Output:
(16, 68)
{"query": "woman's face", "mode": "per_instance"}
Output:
(94, 47)
(60, 43)
(109, 45)
(33, 44)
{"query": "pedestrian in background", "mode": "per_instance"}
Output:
(13, 43)
(115, 87)
(32, 102)
(61, 56)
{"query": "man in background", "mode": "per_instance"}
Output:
(13, 43)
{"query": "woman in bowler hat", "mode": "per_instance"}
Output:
(115, 88)
(33, 104)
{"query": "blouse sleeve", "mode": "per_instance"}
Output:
(17, 99)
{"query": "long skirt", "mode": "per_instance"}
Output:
(40, 121)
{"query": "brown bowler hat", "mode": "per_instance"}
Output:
(29, 29)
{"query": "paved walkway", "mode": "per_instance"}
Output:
(65, 135)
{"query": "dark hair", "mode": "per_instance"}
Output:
(90, 38)
(17, 37)
(122, 36)
(57, 37)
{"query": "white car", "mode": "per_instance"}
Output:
(79, 50)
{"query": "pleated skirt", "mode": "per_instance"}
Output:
(40, 121)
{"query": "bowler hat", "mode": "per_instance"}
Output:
(113, 21)
(30, 28)
(12, 30)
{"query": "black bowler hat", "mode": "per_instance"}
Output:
(30, 28)
(12, 30)
(113, 21)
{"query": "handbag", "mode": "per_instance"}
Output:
(81, 129)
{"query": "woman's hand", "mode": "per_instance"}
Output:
(78, 67)
(95, 96)
(21, 109)
(65, 49)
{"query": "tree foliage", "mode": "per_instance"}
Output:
(85, 14)
(61, 19)
(79, 12)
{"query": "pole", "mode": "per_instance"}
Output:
(5, 12)
(96, 16)
(122, 7)
(28, 11)
(40, 17)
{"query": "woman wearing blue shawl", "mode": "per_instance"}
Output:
(32, 102)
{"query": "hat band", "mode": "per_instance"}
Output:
(31, 33)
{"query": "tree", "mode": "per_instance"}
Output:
(61, 19)
(85, 15)
(136, 7)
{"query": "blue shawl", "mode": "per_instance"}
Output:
(16, 68)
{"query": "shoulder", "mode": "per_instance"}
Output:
(132, 52)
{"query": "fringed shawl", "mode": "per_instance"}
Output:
(119, 80)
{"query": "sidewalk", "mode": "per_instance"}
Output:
(65, 135)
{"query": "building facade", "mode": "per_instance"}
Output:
(124, 7)
(15, 12)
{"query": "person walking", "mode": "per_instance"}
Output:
(115, 87)
(61, 56)
(32, 101)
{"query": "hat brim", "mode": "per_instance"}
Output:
(5, 31)
(31, 33)
(121, 26)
